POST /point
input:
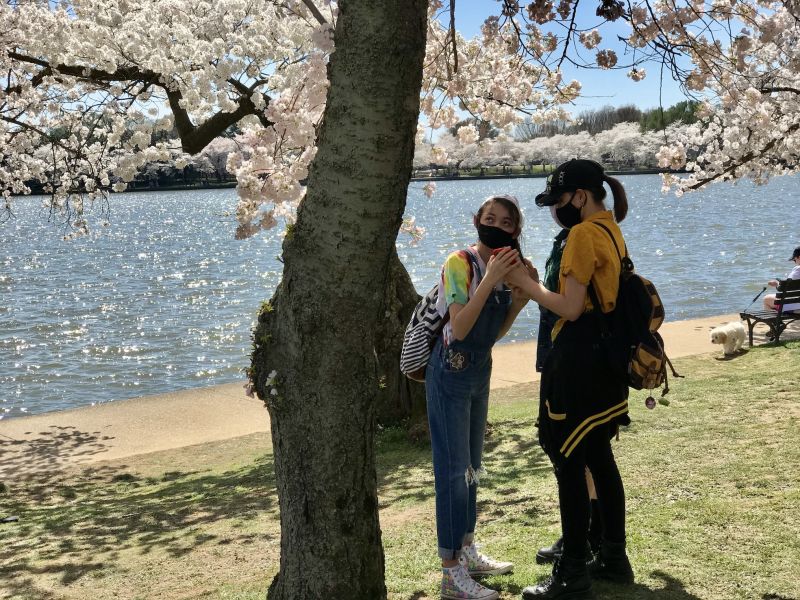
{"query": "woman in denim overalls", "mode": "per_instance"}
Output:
(481, 311)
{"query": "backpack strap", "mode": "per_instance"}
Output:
(598, 310)
(592, 293)
(474, 267)
(613, 241)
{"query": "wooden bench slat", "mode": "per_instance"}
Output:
(788, 293)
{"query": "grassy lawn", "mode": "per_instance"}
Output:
(713, 487)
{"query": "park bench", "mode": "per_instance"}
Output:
(776, 320)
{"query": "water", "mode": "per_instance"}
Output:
(165, 298)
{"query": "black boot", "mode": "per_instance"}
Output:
(549, 554)
(612, 563)
(570, 581)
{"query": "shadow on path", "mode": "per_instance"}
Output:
(35, 458)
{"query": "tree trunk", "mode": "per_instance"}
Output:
(399, 398)
(321, 332)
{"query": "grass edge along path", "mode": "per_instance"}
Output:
(712, 483)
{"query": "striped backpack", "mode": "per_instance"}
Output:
(630, 332)
(424, 329)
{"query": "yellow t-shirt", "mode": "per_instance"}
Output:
(590, 255)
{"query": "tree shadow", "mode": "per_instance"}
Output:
(26, 588)
(510, 448)
(670, 589)
(35, 460)
(74, 525)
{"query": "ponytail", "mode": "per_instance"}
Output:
(620, 198)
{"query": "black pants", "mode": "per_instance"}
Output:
(547, 320)
(573, 495)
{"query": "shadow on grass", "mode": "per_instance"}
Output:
(738, 354)
(670, 589)
(25, 588)
(510, 449)
(84, 524)
(71, 527)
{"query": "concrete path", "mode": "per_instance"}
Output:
(113, 430)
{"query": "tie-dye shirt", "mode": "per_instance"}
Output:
(456, 284)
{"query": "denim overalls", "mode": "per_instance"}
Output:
(457, 388)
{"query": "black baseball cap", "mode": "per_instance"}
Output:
(570, 176)
(796, 253)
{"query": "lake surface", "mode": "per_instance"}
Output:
(165, 298)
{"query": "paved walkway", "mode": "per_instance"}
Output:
(114, 430)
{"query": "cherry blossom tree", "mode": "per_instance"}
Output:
(750, 121)
(217, 152)
(739, 56)
(619, 145)
(92, 91)
(90, 82)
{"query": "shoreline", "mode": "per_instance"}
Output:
(81, 437)
(226, 185)
(526, 345)
(535, 175)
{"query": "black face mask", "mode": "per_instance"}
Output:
(494, 237)
(568, 215)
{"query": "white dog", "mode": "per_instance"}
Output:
(731, 336)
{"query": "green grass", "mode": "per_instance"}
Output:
(712, 483)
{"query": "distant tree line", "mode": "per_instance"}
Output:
(605, 118)
(622, 148)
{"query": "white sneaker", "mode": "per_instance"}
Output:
(478, 564)
(458, 585)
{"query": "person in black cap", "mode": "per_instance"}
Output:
(581, 401)
(544, 343)
(769, 299)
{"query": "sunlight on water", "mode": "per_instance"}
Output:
(165, 298)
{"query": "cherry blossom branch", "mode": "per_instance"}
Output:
(750, 156)
(568, 37)
(770, 90)
(193, 138)
(93, 75)
(315, 11)
(453, 34)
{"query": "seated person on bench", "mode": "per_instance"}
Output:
(769, 299)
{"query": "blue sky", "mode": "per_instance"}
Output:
(600, 88)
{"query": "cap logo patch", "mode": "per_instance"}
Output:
(561, 178)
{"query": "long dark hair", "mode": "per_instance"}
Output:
(620, 197)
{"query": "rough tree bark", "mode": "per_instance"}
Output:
(320, 332)
(399, 398)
